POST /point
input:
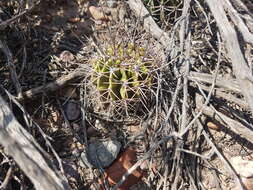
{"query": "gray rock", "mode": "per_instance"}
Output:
(72, 110)
(112, 3)
(102, 154)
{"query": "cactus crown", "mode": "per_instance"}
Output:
(125, 73)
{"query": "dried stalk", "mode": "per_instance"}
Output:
(218, 93)
(238, 21)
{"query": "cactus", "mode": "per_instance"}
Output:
(125, 72)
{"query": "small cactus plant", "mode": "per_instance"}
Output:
(125, 73)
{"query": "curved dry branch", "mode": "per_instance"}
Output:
(19, 144)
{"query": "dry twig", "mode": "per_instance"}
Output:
(5, 23)
(219, 154)
(52, 86)
(238, 21)
(7, 178)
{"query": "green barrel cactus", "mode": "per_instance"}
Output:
(125, 72)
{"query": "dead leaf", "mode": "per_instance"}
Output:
(212, 125)
(125, 161)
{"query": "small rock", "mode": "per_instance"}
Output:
(112, 3)
(102, 154)
(72, 110)
(98, 13)
(243, 167)
(66, 56)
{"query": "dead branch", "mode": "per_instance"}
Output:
(185, 44)
(238, 21)
(240, 66)
(229, 84)
(7, 178)
(207, 100)
(19, 144)
(229, 97)
(149, 24)
(52, 86)
(235, 126)
(247, 16)
(11, 66)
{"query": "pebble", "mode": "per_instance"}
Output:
(243, 167)
(97, 13)
(101, 154)
(72, 110)
(112, 3)
(66, 56)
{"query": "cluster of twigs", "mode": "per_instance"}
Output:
(175, 129)
(179, 169)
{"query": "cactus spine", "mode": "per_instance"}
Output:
(124, 73)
